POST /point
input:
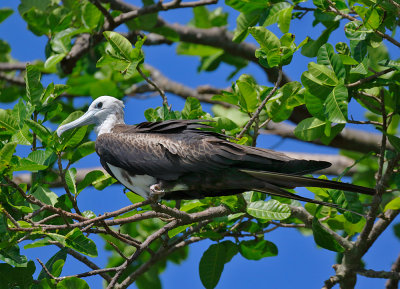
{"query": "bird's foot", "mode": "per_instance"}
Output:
(156, 192)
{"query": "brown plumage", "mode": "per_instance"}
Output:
(178, 152)
(183, 159)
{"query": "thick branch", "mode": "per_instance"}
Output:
(393, 283)
(379, 274)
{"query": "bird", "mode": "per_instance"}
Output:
(185, 159)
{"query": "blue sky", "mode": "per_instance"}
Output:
(300, 263)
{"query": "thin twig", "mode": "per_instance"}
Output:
(160, 91)
(47, 270)
(64, 182)
(117, 249)
(104, 11)
(369, 78)
(365, 122)
(84, 260)
(351, 18)
(11, 219)
(262, 105)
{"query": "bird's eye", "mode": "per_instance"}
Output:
(99, 105)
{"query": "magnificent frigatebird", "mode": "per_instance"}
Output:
(180, 159)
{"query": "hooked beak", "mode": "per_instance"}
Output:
(86, 119)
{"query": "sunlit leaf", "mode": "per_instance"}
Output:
(269, 210)
(77, 241)
(309, 129)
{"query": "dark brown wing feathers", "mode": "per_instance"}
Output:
(173, 149)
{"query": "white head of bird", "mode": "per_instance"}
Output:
(105, 112)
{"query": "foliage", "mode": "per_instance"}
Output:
(95, 60)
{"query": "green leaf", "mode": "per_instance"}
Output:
(243, 22)
(91, 15)
(21, 112)
(120, 44)
(70, 180)
(77, 241)
(249, 98)
(246, 5)
(37, 160)
(269, 210)
(190, 205)
(22, 136)
(314, 86)
(52, 266)
(257, 249)
(34, 88)
(192, 109)
(7, 152)
(61, 42)
(83, 150)
(393, 204)
(336, 105)
(7, 121)
(394, 141)
(72, 282)
(42, 132)
(349, 201)
(285, 16)
(278, 106)
(326, 56)
(12, 256)
(272, 13)
(26, 5)
(267, 40)
(309, 129)
(355, 30)
(314, 105)
(45, 195)
(390, 63)
(358, 49)
(172, 233)
(53, 60)
(323, 238)
(17, 277)
(323, 74)
(150, 279)
(4, 13)
(348, 60)
(211, 265)
(89, 179)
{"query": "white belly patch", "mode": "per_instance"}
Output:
(140, 184)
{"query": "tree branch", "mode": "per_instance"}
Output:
(261, 106)
(351, 18)
(379, 274)
(369, 78)
(393, 283)
(156, 87)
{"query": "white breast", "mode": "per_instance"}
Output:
(140, 184)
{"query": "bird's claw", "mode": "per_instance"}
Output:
(156, 193)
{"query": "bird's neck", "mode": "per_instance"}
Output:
(108, 124)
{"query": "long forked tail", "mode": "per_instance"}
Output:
(292, 181)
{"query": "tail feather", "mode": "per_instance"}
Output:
(292, 181)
